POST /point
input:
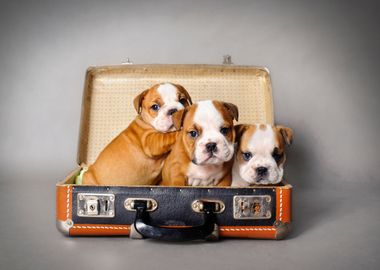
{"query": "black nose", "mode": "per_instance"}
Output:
(170, 112)
(211, 147)
(261, 171)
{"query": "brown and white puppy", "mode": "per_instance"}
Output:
(260, 154)
(202, 155)
(136, 155)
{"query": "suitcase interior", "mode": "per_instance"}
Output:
(107, 109)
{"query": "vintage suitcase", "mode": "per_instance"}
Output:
(169, 213)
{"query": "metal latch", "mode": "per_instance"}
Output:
(198, 205)
(252, 207)
(151, 204)
(96, 205)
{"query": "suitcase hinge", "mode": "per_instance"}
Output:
(127, 62)
(227, 60)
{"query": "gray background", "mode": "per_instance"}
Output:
(324, 60)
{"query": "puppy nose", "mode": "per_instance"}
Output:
(261, 171)
(171, 111)
(211, 147)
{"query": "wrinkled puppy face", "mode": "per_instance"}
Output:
(260, 155)
(208, 133)
(157, 105)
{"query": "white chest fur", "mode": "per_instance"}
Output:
(206, 175)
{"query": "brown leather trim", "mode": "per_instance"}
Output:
(262, 232)
(283, 204)
(99, 229)
(64, 195)
(63, 202)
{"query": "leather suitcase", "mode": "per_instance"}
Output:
(169, 213)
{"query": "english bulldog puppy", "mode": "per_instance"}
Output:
(202, 155)
(136, 156)
(260, 154)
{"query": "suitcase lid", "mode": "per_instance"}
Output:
(107, 105)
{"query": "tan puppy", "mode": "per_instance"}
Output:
(260, 154)
(136, 155)
(202, 155)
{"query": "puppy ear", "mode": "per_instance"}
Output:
(286, 133)
(137, 102)
(184, 91)
(239, 131)
(178, 117)
(232, 109)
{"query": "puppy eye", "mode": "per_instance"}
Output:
(247, 156)
(155, 107)
(224, 131)
(276, 155)
(193, 134)
(183, 101)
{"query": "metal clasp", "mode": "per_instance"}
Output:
(96, 205)
(151, 204)
(252, 207)
(198, 205)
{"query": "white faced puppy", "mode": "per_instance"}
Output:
(260, 154)
(157, 106)
(203, 152)
(137, 154)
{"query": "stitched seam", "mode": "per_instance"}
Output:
(127, 228)
(101, 227)
(68, 202)
(247, 229)
(280, 204)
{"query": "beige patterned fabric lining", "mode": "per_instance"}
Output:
(107, 107)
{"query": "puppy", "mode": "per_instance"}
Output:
(202, 155)
(260, 154)
(136, 155)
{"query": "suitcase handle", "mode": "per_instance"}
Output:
(147, 230)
